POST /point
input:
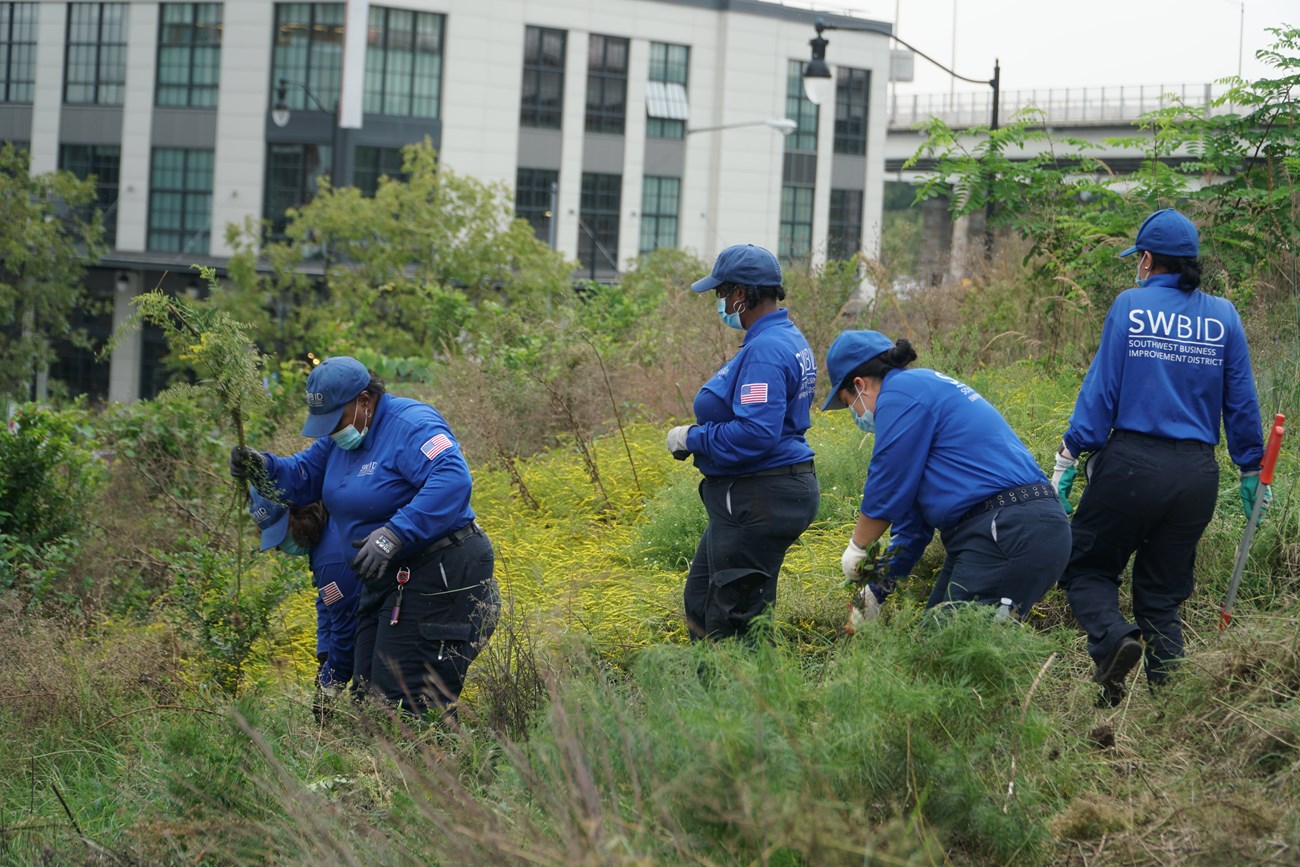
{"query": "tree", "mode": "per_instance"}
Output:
(47, 238)
(404, 269)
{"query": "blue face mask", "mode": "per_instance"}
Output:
(349, 438)
(731, 320)
(865, 422)
(292, 548)
(1138, 279)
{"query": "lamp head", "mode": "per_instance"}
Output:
(817, 82)
(783, 125)
(280, 110)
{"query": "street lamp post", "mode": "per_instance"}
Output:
(817, 84)
(280, 114)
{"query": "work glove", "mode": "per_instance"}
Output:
(1249, 488)
(245, 463)
(851, 561)
(1063, 477)
(677, 441)
(377, 550)
(864, 609)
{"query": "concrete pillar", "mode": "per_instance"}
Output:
(629, 224)
(124, 364)
(47, 100)
(137, 127)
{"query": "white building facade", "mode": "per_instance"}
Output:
(622, 125)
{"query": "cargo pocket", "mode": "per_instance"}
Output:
(451, 639)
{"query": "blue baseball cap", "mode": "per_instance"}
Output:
(271, 518)
(333, 384)
(851, 350)
(744, 264)
(1167, 233)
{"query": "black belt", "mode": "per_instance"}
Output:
(1011, 497)
(455, 537)
(1163, 442)
(788, 470)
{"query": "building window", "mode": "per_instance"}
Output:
(308, 50)
(606, 84)
(845, 224)
(795, 240)
(598, 221)
(533, 199)
(77, 365)
(668, 69)
(543, 94)
(373, 163)
(659, 206)
(293, 173)
(17, 51)
(852, 94)
(95, 64)
(801, 109)
(101, 162)
(189, 54)
(403, 63)
(180, 200)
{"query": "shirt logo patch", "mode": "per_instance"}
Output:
(753, 392)
(368, 469)
(330, 593)
(436, 445)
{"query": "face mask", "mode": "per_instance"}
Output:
(731, 320)
(349, 438)
(292, 548)
(865, 422)
(1138, 279)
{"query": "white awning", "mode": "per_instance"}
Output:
(666, 100)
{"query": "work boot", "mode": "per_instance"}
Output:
(1113, 671)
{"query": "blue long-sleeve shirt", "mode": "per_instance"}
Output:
(408, 473)
(1171, 364)
(940, 449)
(753, 413)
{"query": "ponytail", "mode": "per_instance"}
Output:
(1187, 268)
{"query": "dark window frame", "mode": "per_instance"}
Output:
(599, 210)
(189, 235)
(802, 199)
(533, 199)
(305, 183)
(378, 98)
(324, 79)
(104, 163)
(387, 162)
(800, 109)
(534, 111)
(665, 70)
(11, 81)
(852, 113)
(605, 78)
(655, 219)
(101, 82)
(206, 93)
(844, 226)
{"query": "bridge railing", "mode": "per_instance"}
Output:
(1072, 106)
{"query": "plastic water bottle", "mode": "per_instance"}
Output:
(1004, 611)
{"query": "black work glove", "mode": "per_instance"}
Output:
(244, 463)
(377, 550)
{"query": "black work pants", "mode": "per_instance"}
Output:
(1016, 552)
(753, 521)
(449, 609)
(1151, 497)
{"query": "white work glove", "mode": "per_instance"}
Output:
(851, 561)
(863, 609)
(677, 441)
(1063, 476)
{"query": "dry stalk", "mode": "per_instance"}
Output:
(1024, 712)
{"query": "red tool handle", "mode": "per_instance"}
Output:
(1270, 451)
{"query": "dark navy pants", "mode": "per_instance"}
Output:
(753, 521)
(449, 610)
(339, 591)
(1150, 497)
(1016, 552)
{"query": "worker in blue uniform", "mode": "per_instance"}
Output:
(1172, 362)
(759, 489)
(394, 480)
(307, 531)
(943, 459)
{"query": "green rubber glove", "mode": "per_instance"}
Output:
(1249, 488)
(1063, 479)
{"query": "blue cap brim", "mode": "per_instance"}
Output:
(322, 425)
(1129, 252)
(706, 284)
(833, 401)
(274, 534)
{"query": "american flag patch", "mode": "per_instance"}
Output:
(330, 593)
(753, 392)
(436, 446)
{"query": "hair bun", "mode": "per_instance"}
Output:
(902, 353)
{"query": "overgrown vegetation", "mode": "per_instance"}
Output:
(153, 715)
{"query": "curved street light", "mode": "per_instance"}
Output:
(783, 125)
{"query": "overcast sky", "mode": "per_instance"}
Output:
(1054, 43)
